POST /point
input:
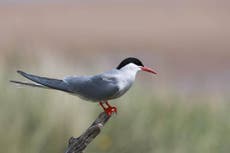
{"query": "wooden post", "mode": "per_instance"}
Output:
(77, 145)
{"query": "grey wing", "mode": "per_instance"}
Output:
(106, 86)
(94, 88)
(47, 82)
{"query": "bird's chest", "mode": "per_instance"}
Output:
(124, 85)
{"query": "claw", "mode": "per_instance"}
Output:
(111, 110)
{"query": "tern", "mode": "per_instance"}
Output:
(97, 88)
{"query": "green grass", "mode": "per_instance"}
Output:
(34, 121)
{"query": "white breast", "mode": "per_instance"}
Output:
(126, 78)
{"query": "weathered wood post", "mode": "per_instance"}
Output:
(77, 145)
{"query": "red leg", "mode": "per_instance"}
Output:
(107, 104)
(101, 104)
(109, 110)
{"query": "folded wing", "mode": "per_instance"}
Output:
(93, 88)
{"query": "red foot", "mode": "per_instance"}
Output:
(109, 110)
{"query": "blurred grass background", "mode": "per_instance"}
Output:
(185, 108)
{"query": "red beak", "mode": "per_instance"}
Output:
(146, 69)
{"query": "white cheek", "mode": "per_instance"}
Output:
(138, 68)
(132, 67)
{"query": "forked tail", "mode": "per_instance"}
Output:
(29, 84)
(43, 82)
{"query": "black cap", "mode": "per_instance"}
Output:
(128, 61)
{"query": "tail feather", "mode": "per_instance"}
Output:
(28, 84)
(43, 81)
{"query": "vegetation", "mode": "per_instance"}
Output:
(35, 120)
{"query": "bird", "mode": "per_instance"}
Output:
(98, 88)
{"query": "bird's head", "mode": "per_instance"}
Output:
(134, 65)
